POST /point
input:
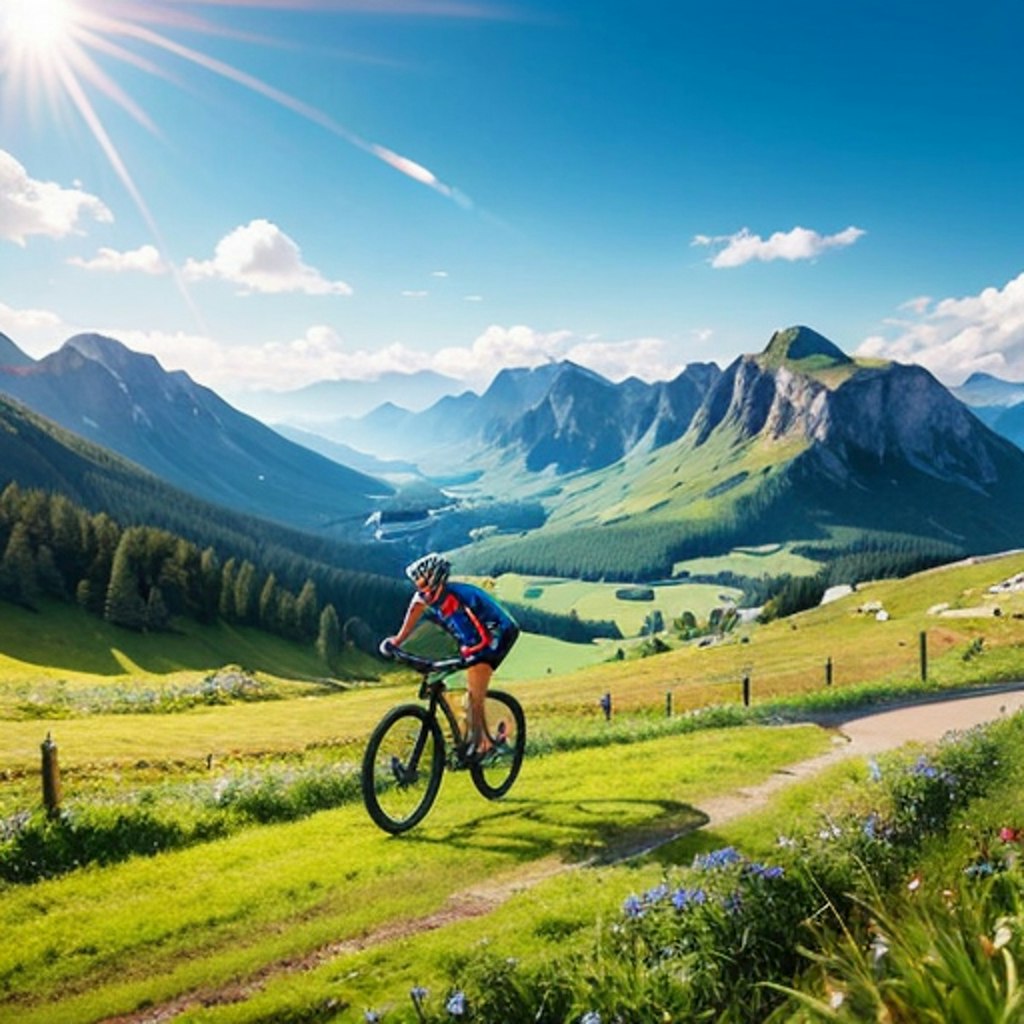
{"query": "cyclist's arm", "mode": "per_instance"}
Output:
(412, 615)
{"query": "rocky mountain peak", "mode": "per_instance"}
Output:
(802, 345)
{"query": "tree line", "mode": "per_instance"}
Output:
(140, 577)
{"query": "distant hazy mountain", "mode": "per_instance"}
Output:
(337, 399)
(983, 389)
(799, 442)
(557, 416)
(345, 455)
(187, 435)
(11, 355)
(998, 403)
(35, 452)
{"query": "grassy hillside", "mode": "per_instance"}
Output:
(212, 916)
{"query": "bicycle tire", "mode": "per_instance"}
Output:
(394, 800)
(494, 777)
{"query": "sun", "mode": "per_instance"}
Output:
(37, 26)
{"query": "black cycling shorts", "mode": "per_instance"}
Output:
(496, 652)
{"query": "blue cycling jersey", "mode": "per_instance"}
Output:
(471, 616)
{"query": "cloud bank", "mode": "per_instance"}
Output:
(956, 337)
(29, 207)
(798, 244)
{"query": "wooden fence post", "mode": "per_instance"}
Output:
(606, 706)
(828, 672)
(51, 777)
(746, 691)
(924, 656)
(668, 703)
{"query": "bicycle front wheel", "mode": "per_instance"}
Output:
(402, 768)
(494, 776)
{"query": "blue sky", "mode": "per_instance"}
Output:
(268, 193)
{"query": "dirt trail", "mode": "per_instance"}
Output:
(860, 735)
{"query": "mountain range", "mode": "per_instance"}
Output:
(559, 417)
(308, 408)
(799, 443)
(185, 433)
(556, 469)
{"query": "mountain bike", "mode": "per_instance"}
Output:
(406, 755)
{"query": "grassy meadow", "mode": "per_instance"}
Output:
(598, 601)
(264, 878)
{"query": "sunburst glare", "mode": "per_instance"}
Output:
(65, 50)
(36, 27)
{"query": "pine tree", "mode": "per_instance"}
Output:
(268, 604)
(209, 585)
(226, 607)
(328, 641)
(18, 577)
(157, 617)
(307, 611)
(245, 593)
(124, 605)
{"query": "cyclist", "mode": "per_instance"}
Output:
(483, 629)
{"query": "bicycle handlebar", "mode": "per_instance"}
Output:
(423, 665)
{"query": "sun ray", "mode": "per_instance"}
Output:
(48, 49)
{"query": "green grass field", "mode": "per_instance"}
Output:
(766, 560)
(212, 917)
(597, 601)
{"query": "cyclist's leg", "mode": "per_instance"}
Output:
(478, 678)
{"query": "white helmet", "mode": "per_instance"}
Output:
(430, 572)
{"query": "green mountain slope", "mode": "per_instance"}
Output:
(797, 444)
(36, 453)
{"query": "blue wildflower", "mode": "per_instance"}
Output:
(456, 1004)
(633, 907)
(591, 1017)
(418, 993)
(371, 1017)
(874, 771)
(717, 859)
(657, 894)
(764, 871)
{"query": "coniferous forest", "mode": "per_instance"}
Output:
(140, 577)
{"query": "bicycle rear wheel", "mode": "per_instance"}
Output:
(402, 768)
(493, 778)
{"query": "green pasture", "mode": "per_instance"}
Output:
(764, 560)
(597, 601)
(63, 643)
(559, 916)
(106, 941)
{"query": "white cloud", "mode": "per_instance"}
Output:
(646, 358)
(439, 273)
(798, 244)
(260, 257)
(144, 260)
(319, 354)
(30, 207)
(411, 294)
(956, 337)
(37, 332)
(521, 346)
(472, 298)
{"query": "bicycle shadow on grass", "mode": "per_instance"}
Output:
(595, 830)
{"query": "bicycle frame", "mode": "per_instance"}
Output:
(407, 753)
